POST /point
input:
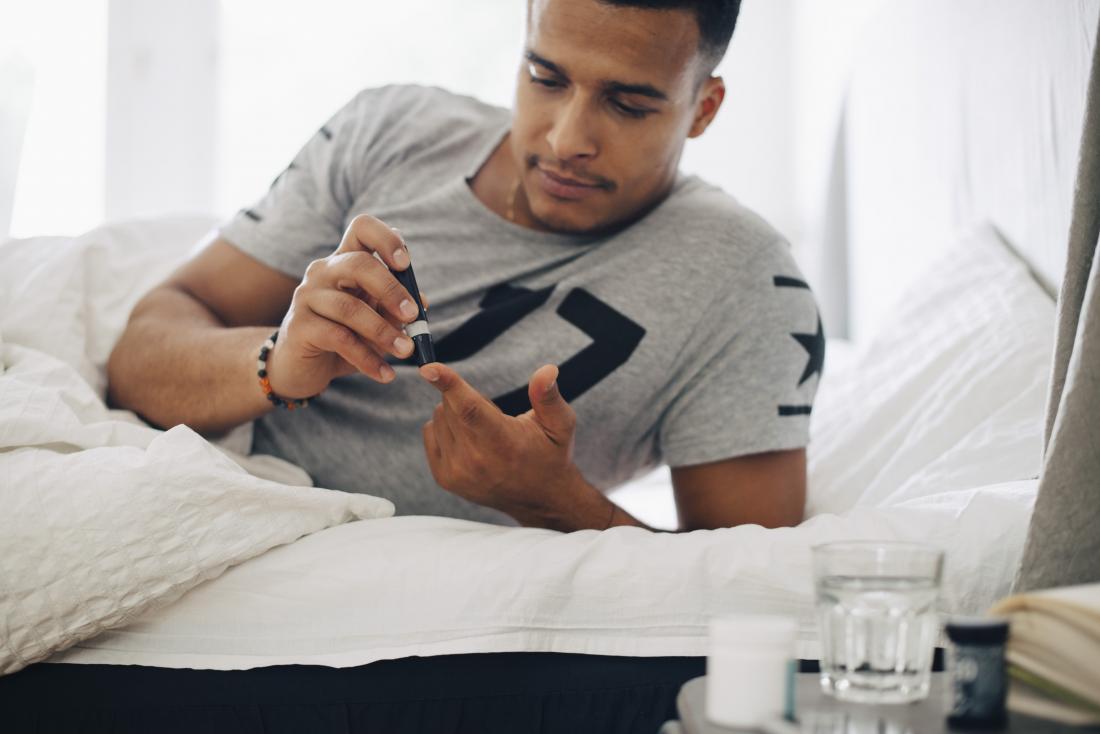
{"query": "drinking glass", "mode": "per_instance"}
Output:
(877, 618)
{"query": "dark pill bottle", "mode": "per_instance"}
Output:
(978, 679)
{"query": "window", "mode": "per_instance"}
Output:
(59, 176)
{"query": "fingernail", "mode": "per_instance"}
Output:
(551, 386)
(408, 309)
(387, 373)
(403, 345)
(430, 373)
(401, 257)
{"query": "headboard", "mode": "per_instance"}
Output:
(958, 111)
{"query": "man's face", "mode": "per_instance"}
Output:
(605, 99)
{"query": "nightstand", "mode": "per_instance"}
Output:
(821, 714)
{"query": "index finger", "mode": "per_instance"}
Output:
(370, 234)
(467, 404)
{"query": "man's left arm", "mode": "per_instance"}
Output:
(766, 489)
(523, 466)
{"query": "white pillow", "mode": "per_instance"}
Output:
(948, 394)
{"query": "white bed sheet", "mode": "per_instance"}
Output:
(424, 586)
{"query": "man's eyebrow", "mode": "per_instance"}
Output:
(645, 90)
(534, 58)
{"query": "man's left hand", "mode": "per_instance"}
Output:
(522, 466)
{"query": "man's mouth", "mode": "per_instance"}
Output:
(566, 187)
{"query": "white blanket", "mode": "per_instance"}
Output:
(102, 516)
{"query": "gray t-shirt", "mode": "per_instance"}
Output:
(688, 337)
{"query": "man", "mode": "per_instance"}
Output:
(605, 312)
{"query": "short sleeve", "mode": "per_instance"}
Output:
(302, 215)
(751, 368)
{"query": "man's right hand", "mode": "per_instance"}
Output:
(346, 315)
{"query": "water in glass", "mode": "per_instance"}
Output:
(877, 636)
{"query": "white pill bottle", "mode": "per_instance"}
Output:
(750, 669)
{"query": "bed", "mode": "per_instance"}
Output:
(236, 597)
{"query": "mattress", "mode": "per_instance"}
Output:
(483, 693)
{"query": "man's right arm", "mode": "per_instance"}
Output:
(188, 354)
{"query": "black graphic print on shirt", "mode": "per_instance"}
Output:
(814, 344)
(251, 213)
(614, 338)
(502, 307)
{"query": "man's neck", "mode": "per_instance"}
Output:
(497, 185)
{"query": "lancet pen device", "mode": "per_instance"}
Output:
(423, 347)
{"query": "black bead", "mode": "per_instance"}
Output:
(263, 352)
(262, 373)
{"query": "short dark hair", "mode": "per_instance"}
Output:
(716, 20)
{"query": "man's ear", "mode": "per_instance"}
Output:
(710, 97)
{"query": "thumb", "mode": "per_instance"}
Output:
(550, 408)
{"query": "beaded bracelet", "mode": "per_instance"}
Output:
(265, 384)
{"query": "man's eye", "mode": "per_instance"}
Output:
(548, 83)
(628, 110)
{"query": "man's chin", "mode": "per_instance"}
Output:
(562, 223)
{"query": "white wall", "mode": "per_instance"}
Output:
(748, 148)
(826, 38)
(162, 136)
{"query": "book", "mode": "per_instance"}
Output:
(1054, 653)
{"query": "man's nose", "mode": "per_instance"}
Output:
(573, 135)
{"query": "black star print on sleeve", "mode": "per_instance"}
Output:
(814, 344)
